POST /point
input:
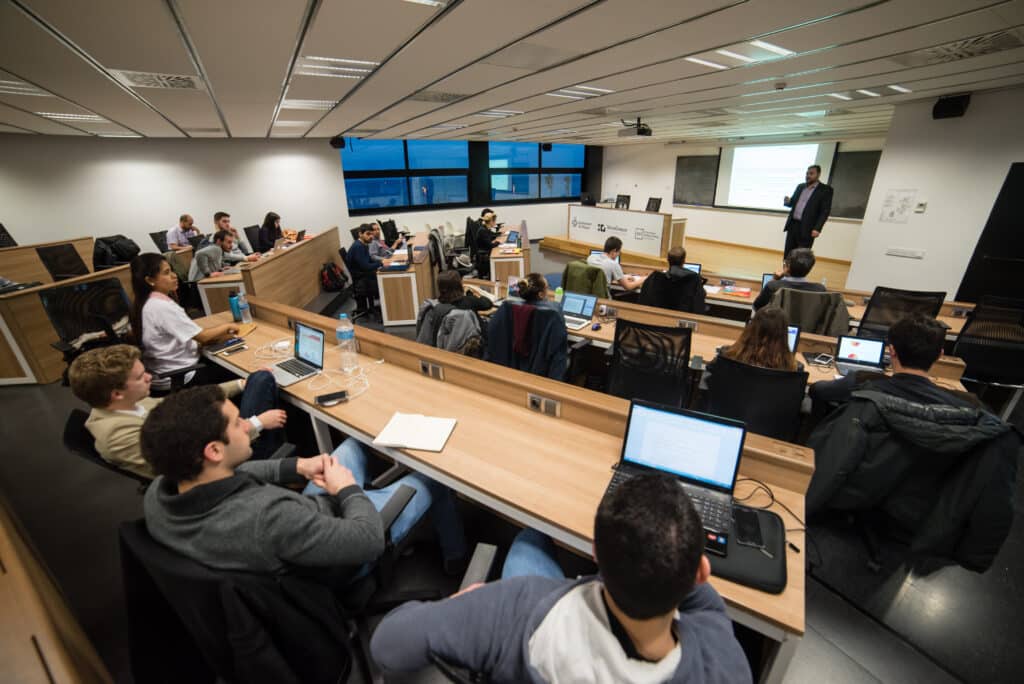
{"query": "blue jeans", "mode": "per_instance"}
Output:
(429, 496)
(532, 555)
(259, 395)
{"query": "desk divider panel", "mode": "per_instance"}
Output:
(293, 276)
(23, 265)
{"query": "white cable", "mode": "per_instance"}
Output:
(270, 352)
(355, 383)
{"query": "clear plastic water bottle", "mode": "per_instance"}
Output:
(243, 308)
(558, 293)
(824, 283)
(346, 333)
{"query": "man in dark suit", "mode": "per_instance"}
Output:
(811, 204)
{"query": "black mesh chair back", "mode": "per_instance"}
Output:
(471, 226)
(653, 204)
(888, 305)
(159, 239)
(389, 231)
(6, 239)
(650, 362)
(991, 342)
(767, 400)
(96, 306)
(622, 201)
(252, 234)
(62, 261)
(668, 292)
(78, 440)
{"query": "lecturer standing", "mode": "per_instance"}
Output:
(811, 204)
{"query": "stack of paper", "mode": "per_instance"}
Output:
(712, 289)
(413, 431)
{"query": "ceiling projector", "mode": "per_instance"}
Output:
(631, 130)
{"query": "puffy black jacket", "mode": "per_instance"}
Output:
(944, 474)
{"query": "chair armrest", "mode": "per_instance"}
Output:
(480, 565)
(395, 505)
(179, 371)
(389, 476)
(576, 346)
(286, 450)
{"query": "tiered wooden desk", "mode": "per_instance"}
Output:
(402, 292)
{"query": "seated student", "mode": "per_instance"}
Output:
(677, 288)
(379, 250)
(764, 342)
(608, 262)
(915, 344)
(113, 381)
(647, 616)
(241, 250)
(533, 289)
(209, 261)
(359, 260)
(450, 290)
(797, 265)
(177, 237)
(270, 232)
(168, 337)
(210, 504)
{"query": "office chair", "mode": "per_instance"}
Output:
(622, 201)
(78, 440)
(62, 261)
(650, 362)
(667, 291)
(6, 239)
(991, 344)
(888, 305)
(548, 342)
(389, 231)
(767, 400)
(653, 204)
(355, 233)
(86, 316)
(364, 288)
(252, 234)
(159, 239)
(581, 277)
(818, 313)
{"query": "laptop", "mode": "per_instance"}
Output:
(196, 242)
(618, 258)
(513, 235)
(692, 267)
(859, 353)
(301, 235)
(793, 337)
(766, 278)
(578, 309)
(62, 261)
(700, 450)
(308, 360)
(279, 243)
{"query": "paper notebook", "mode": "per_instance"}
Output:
(413, 431)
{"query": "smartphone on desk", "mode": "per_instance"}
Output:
(748, 527)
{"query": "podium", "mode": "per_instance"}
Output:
(642, 232)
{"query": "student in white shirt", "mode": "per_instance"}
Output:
(608, 261)
(178, 236)
(168, 337)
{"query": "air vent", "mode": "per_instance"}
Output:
(435, 96)
(142, 79)
(963, 49)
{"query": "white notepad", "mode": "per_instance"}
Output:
(712, 289)
(413, 431)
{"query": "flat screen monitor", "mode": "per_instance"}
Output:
(587, 199)
(62, 261)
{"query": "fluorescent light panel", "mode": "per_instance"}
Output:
(316, 105)
(119, 135)
(771, 48)
(293, 123)
(568, 97)
(596, 90)
(704, 62)
(900, 89)
(331, 67)
(327, 74)
(342, 60)
(869, 93)
(840, 96)
(71, 117)
(734, 55)
(429, 3)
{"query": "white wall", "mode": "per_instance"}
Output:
(957, 166)
(649, 170)
(53, 188)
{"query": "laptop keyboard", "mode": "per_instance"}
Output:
(576, 322)
(715, 513)
(296, 367)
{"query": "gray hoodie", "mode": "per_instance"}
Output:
(245, 523)
(536, 629)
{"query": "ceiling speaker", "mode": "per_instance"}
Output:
(338, 142)
(951, 107)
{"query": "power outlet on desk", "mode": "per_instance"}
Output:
(725, 282)
(431, 370)
(692, 325)
(960, 312)
(540, 404)
(424, 368)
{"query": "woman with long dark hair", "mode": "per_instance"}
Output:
(764, 342)
(270, 231)
(168, 337)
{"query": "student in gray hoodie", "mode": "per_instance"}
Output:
(210, 504)
(649, 616)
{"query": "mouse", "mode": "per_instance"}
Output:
(596, 326)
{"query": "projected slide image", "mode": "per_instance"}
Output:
(761, 176)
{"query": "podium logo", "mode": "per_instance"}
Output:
(601, 228)
(573, 221)
(642, 234)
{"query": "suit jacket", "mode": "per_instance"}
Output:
(819, 206)
(117, 434)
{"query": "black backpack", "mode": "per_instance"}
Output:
(332, 278)
(114, 250)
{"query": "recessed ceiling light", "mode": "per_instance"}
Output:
(568, 97)
(900, 89)
(317, 105)
(429, 3)
(869, 93)
(581, 93)
(734, 55)
(771, 48)
(330, 74)
(704, 62)
(71, 117)
(332, 67)
(293, 123)
(596, 90)
(343, 60)
(840, 96)
(119, 135)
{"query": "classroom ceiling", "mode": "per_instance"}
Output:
(537, 70)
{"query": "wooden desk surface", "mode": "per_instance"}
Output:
(545, 467)
(226, 278)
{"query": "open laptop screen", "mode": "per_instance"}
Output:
(860, 350)
(576, 304)
(618, 259)
(766, 278)
(696, 447)
(793, 337)
(309, 345)
(692, 267)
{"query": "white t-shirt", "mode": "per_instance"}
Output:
(612, 269)
(167, 334)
